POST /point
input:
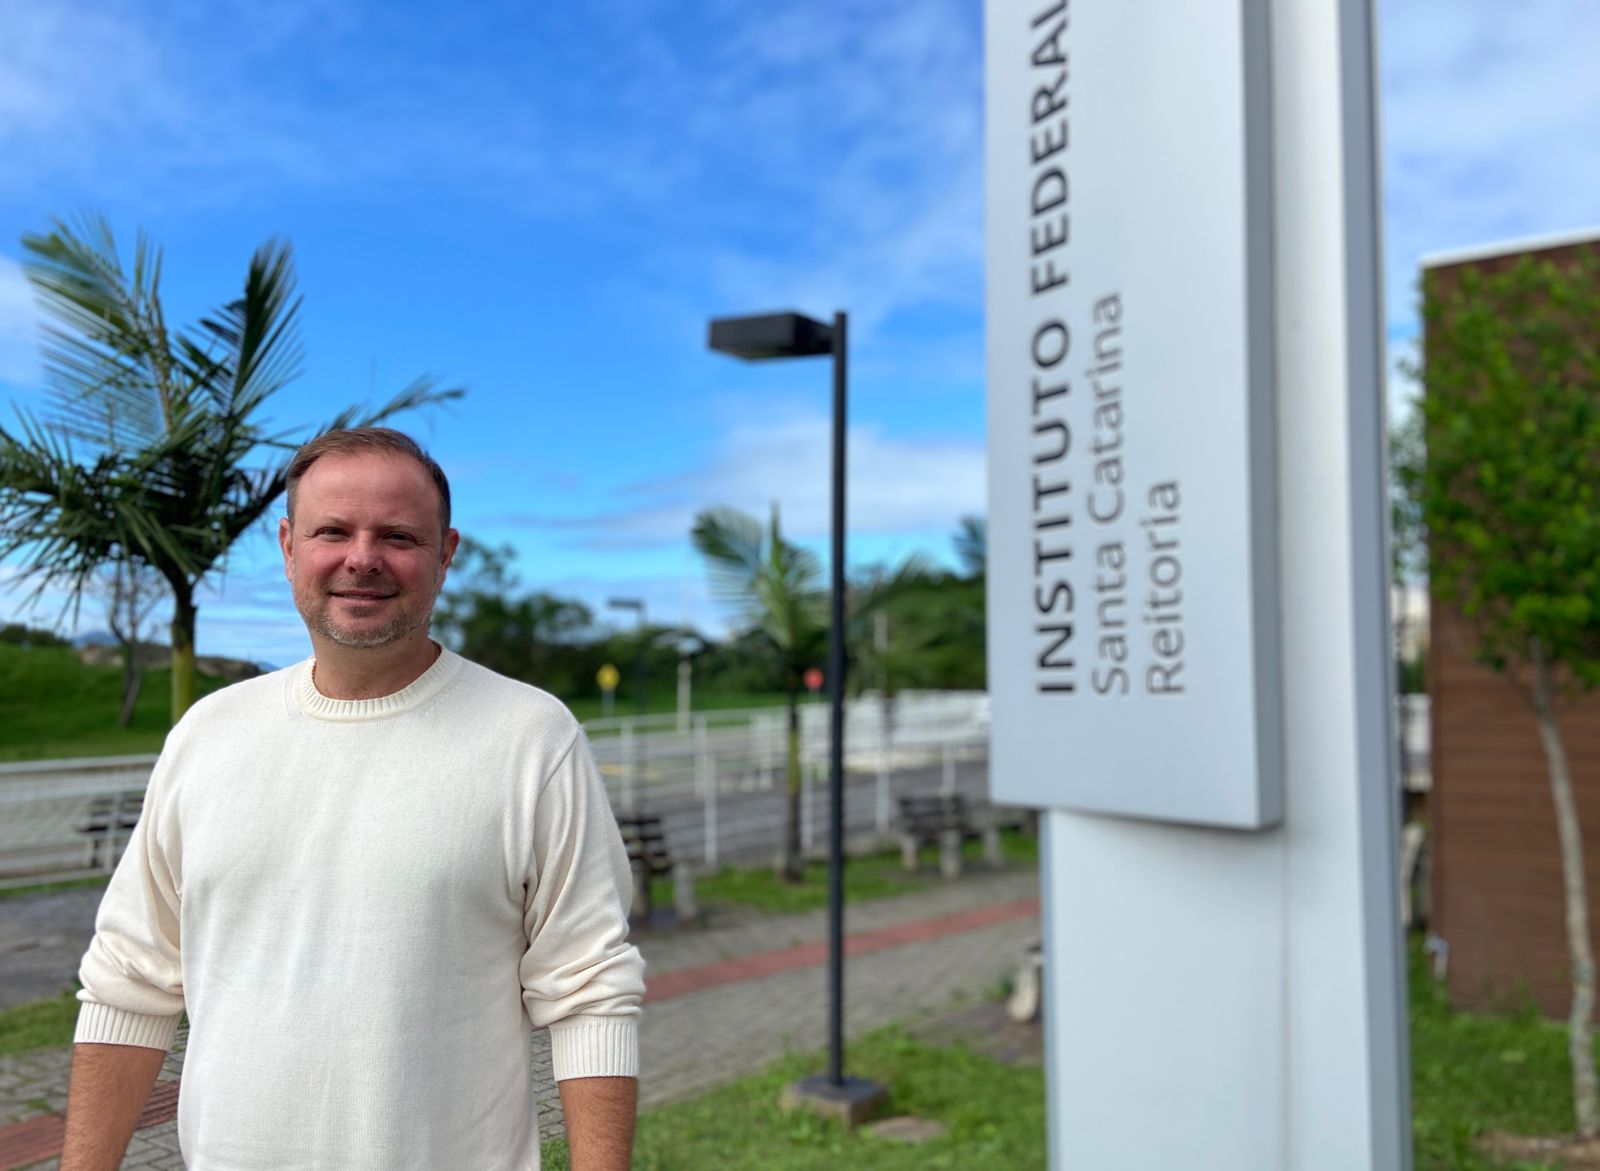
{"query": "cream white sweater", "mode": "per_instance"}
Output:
(362, 905)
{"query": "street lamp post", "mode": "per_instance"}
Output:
(794, 335)
(636, 605)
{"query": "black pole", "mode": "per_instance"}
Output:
(836, 722)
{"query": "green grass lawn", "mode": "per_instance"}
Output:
(42, 1024)
(17, 892)
(1470, 1074)
(54, 706)
(875, 876)
(995, 1113)
(1473, 1073)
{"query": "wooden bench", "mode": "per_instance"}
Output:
(109, 823)
(649, 857)
(944, 820)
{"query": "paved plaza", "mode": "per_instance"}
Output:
(723, 999)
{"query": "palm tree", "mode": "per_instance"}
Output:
(972, 546)
(167, 421)
(777, 588)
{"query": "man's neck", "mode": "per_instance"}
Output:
(342, 672)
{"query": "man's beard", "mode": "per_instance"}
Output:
(397, 627)
(403, 622)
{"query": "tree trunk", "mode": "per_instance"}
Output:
(132, 679)
(1580, 1045)
(791, 863)
(183, 615)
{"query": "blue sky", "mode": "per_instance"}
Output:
(545, 203)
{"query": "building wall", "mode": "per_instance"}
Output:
(1497, 888)
(1497, 894)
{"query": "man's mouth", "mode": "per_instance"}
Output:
(361, 595)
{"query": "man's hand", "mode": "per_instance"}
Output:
(109, 1088)
(599, 1112)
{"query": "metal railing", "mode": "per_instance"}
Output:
(45, 808)
(719, 784)
(718, 780)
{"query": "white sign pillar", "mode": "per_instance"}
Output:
(1224, 963)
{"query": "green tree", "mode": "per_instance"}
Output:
(1507, 493)
(166, 420)
(1408, 554)
(776, 588)
(1408, 535)
(536, 637)
(930, 632)
(27, 637)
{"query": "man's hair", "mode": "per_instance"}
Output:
(365, 439)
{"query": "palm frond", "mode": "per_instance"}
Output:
(255, 339)
(106, 366)
(774, 586)
(916, 572)
(972, 544)
(58, 517)
(733, 545)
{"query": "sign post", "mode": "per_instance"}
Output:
(608, 677)
(1188, 643)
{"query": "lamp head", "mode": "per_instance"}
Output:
(771, 335)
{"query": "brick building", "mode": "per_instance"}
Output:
(1497, 898)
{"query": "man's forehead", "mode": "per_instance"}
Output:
(362, 518)
(344, 464)
(362, 481)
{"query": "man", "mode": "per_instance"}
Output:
(362, 877)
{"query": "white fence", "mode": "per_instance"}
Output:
(719, 784)
(45, 808)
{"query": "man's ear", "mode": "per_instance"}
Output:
(451, 540)
(285, 538)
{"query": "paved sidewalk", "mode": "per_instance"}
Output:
(723, 1001)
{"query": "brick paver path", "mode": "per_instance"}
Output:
(722, 1002)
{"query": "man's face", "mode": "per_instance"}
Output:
(364, 552)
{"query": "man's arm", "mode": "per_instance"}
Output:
(108, 1091)
(599, 1113)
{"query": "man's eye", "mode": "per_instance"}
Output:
(328, 532)
(407, 537)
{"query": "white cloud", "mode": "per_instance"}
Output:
(895, 485)
(869, 124)
(97, 92)
(1491, 127)
(779, 155)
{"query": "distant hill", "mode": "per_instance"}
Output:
(160, 655)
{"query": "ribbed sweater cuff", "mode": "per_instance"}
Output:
(596, 1046)
(101, 1024)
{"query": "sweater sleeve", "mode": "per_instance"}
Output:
(132, 974)
(580, 975)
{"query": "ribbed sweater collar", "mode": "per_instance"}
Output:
(418, 692)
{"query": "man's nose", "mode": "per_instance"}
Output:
(363, 555)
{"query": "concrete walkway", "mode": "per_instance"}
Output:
(722, 1002)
